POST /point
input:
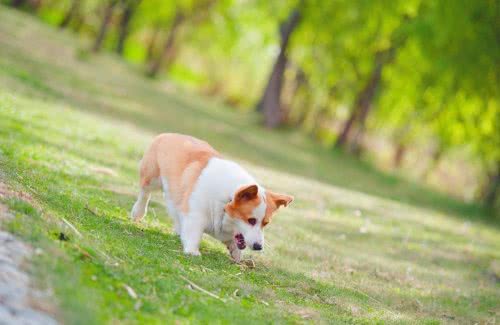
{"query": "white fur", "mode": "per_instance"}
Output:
(215, 187)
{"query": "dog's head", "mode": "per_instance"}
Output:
(251, 209)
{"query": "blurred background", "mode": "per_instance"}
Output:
(412, 86)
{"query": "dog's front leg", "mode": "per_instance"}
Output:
(234, 251)
(191, 233)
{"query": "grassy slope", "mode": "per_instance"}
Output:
(337, 254)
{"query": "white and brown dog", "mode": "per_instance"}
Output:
(206, 193)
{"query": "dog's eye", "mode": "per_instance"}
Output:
(264, 222)
(252, 221)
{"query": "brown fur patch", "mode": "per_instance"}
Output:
(273, 202)
(180, 159)
(245, 201)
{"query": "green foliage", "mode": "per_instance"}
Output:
(446, 78)
(442, 84)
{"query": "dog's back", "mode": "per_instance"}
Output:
(178, 160)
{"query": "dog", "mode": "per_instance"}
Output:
(205, 193)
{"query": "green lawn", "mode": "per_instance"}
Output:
(356, 246)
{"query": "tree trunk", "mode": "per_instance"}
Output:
(124, 27)
(363, 102)
(78, 23)
(17, 3)
(355, 146)
(36, 4)
(436, 158)
(168, 51)
(399, 154)
(491, 193)
(270, 102)
(150, 53)
(298, 106)
(73, 10)
(166, 54)
(103, 29)
(342, 139)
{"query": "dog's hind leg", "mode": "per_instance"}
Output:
(172, 211)
(140, 207)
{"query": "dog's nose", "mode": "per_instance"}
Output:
(257, 247)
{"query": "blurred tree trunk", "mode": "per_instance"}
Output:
(124, 26)
(401, 145)
(301, 82)
(150, 52)
(355, 145)
(167, 51)
(36, 4)
(70, 14)
(399, 154)
(491, 191)
(103, 29)
(270, 102)
(364, 101)
(78, 22)
(17, 3)
(436, 158)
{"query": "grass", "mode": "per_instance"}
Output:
(357, 246)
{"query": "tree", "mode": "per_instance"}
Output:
(17, 3)
(492, 187)
(270, 102)
(124, 24)
(103, 29)
(150, 49)
(193, 13)
(363, 102)
(70, 14)
(365, 98)
(167, 52)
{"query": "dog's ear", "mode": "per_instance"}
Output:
(246, 194)
(280, 199)
(244, 201)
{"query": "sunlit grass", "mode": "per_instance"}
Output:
(356, 245)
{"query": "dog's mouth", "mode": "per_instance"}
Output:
(240, 241)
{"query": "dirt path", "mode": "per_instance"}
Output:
(20, 302)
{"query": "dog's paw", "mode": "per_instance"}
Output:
(235, 255)
(192, 252)
(137, 214)
(135, 218)
(236, 260)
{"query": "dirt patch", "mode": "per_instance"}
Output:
(6, 192)
(20, 302)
